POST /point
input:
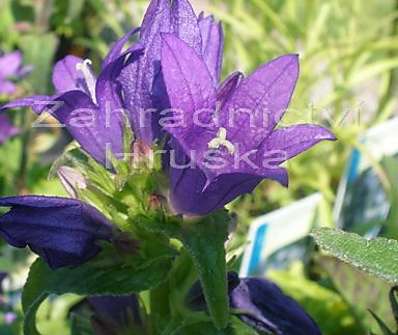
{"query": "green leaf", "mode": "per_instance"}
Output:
(92, 278)
(378, 257)
(236, 327)
(200, 328)
(204, 240)
(240, 328)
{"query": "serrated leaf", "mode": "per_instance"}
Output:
(91, 278)
(378, 256)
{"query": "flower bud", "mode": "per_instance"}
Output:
(72, 180)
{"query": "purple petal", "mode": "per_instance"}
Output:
(192, 194)
(189, 197)
(66, 77)
(185, 24)
(157, 14)
(260, 101)
(10, 64)
(7, 87)
(7, 130)
(38, 103)
(267, 309)
(212, 45)
(72, 180)
(190, 89)
(115, 311)
(117, 48)
(137, 79)
(111, 115)
(25, 71)
(228, 87)
(262, 305)
(191, 92)
(63, 231)
(296, 139)
(81, 118)
(143, 85)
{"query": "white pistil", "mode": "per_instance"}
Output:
(221, 140)
(85, 68)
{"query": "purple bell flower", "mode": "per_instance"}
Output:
(90, 108)
(142, 81)
(262, 305)
(10, 68)
(224, 138)
(64, 232)
(113, 314)
(7, 130)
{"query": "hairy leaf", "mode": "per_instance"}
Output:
(378, 256)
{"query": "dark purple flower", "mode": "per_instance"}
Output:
(90, 108)
(111, 315)
(142, 81)
(10, 68)
(65, 232)
(228, 133)
(7, 130)
(262, 305)
(114, 313)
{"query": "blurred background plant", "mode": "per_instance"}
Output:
(348, 77)
(349, 57)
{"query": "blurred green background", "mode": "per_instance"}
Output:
(349, 60)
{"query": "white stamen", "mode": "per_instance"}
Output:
(221, 140)
(85, 68)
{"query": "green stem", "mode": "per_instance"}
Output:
(43, 15)
(160, 308)
(21, 176)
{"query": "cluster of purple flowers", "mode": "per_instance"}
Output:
(168, 87)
